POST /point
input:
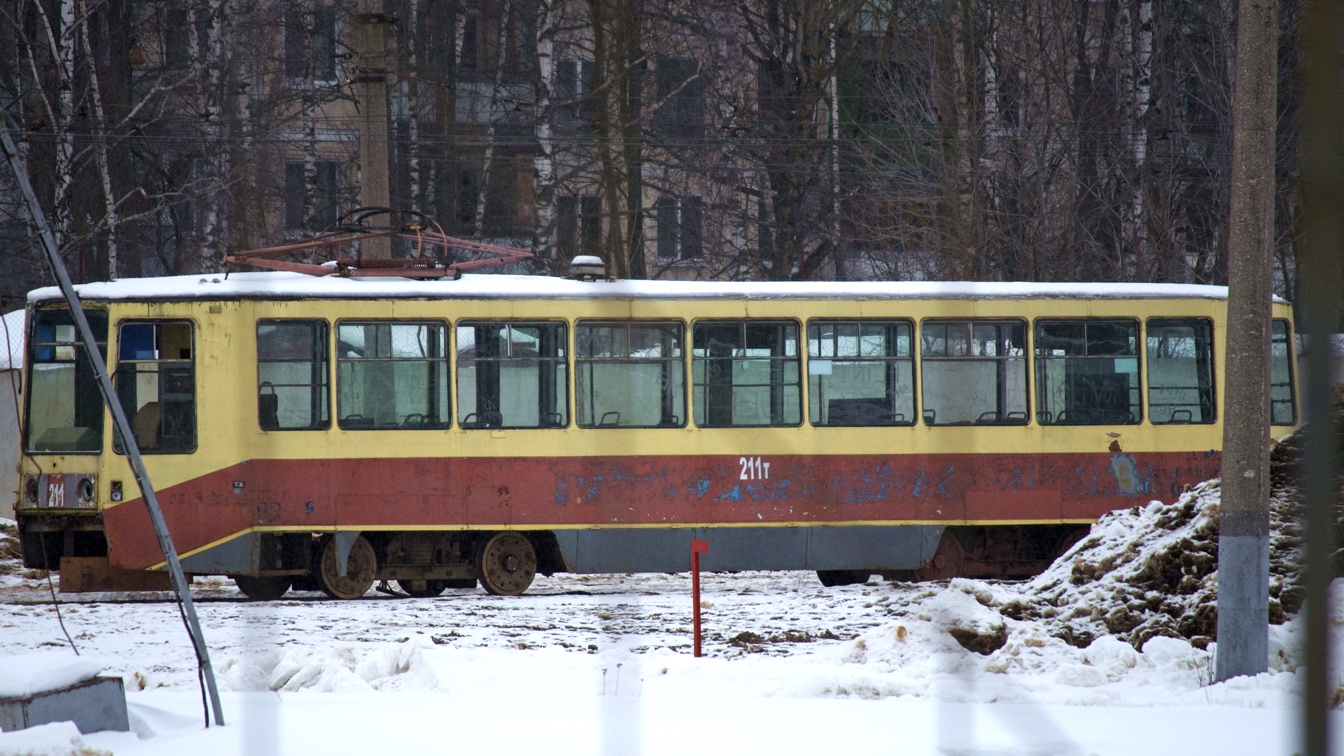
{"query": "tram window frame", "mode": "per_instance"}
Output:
(865, 411)
(704, 408)
(54, 343)
(670, 394)
(171, 414)
(1085, 372)
(435, 389)
(965, 353)
(318, 387)
(556, 394)
(1281, 364)
(1206, 397)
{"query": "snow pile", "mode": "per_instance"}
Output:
(54, 739)
(23, 675)
(339, 668)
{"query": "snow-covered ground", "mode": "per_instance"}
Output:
(602, 664)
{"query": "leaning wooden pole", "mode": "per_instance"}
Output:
(1243, 528)
(1319, 280)
(122, 424)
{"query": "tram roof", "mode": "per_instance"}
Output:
(280, 285)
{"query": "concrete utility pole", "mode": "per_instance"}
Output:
(370, 43)
(1243, 529)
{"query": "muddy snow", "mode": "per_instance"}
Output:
(1123, 622)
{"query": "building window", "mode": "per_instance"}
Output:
(310, 44)
(746, 373)
(156, 383)
(1180, 371)
(578, 226)
(680, 228)
(1087, 372)
(321, 194)
(630, 375)
(292, 382)
(860, 373)
(974, 372)
(681, 99)
(392, 375)
(512, 375)
(473, 44)
(573, 90)
(1282, 406)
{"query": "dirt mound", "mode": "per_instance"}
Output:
(1153, 571)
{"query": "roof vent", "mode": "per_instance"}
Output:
(587, 268)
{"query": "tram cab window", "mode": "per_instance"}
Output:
(391, 375)
(293, 387)
(1087, 372)
(629, 375)
(156, 383)
(511, 375)
(860, 373)
(1180, 371)
(746, 373)
(974, 372)
(65, 406)
(1282, 407)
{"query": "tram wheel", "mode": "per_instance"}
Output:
(422, 588)
(361, 570)
(834, 578)
(268, 588)
(506, 563)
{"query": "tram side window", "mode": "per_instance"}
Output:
(156, 383)
(511, 375)
(65, 407)
(293, 388)
(1087, 372)
(746, 373)
(391, 375)
(1282, 404)
(860, 373)
(1180, 371)
(629, 375)
(974, 372)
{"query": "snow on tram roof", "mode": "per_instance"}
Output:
(279, 285)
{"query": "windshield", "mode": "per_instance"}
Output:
(65, 408)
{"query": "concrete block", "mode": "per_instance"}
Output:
(93, 705)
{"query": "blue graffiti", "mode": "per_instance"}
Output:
(734, 495)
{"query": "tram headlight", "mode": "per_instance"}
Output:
(86, 490)
(30, 490)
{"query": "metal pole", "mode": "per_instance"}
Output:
(123, 426)
(1319, 278)
(1243, 530)
(698, 547)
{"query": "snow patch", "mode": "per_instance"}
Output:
(23, 675)
(53, 739)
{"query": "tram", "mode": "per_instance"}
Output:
(333, 432)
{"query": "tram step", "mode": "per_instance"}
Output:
(87, 574)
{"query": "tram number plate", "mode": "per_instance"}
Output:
(55, 498)
(753, 468)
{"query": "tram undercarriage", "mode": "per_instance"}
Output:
(347, 564)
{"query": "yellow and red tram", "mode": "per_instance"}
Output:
(334, 432)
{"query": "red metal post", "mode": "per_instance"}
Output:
(697, 548)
